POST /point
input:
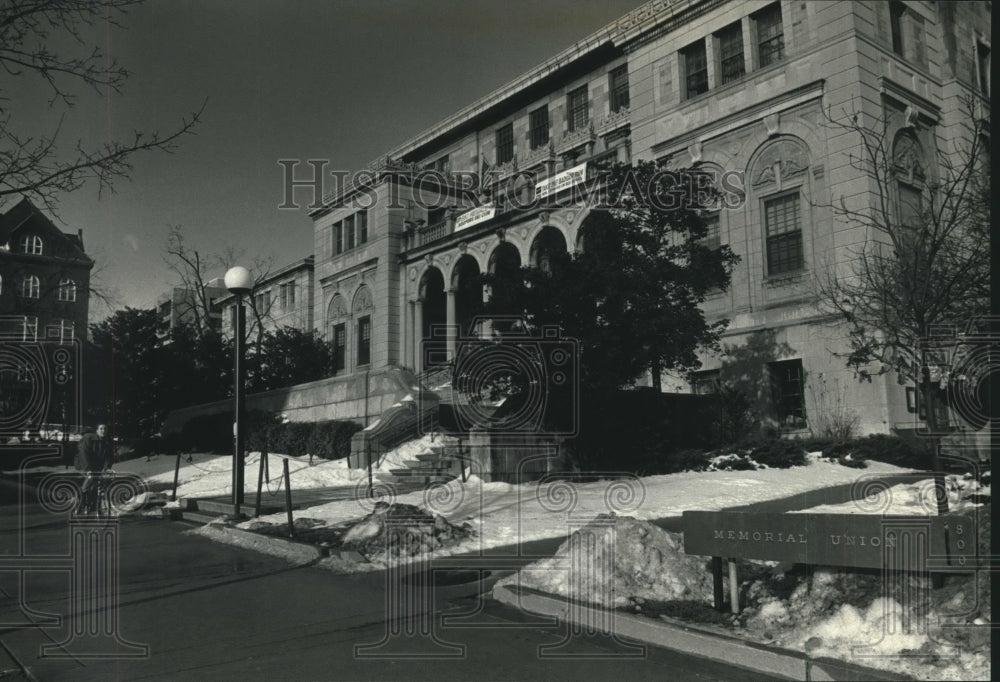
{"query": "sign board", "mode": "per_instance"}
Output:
(560, 181)
(909, 543)
(475, 216)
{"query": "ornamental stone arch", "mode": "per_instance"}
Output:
(908, 159)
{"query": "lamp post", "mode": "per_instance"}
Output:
(239, 283)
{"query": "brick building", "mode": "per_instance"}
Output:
(726, 86)
(44, 299)
(44, 278)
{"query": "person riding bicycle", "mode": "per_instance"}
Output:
(93, 457)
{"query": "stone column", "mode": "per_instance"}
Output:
(418, 335)
(452, 324)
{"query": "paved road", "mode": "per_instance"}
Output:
(192, 609)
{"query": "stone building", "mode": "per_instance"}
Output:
(182, 306)
(731, 87)
(283, 298)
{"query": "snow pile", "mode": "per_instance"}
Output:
(899, 624)
(400, 531)
(616, 559)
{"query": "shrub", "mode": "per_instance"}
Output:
(779, 454)
(207, 433)
(688, 460)
(893, 450)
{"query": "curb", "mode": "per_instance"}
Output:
(686, 639)
(294, 552)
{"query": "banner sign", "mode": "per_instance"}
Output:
(908, 543)
(560, 181)
(475, 216)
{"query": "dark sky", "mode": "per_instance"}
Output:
(340, 80)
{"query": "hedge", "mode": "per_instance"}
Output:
(329, 439)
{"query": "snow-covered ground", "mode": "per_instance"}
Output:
(504, 514)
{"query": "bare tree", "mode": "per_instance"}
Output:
(42, 167)
(925, 261)
(195, 270)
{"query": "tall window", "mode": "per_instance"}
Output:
(364, 340)
(349, 231)
(896, 12)
(286, 295)
(339, 230)
(505, 143)
(576, 109)
(262, 301)
(538, 127)
(770, 35)
(731, 52)
(363, 227)
(31, 287)
(32, 244)
(695, 69)
(783, 225)
(1, 284)
(618, 87)
(30, 331)
(910, 205)
(66, 331)
(787, 392)
(713, 233)
(983, 66)
(907, 29)
(67, 290)
(339, 346)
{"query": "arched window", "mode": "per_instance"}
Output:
(31, 244)
(336, 324)
(67, 290)
(363, 309)
(31, 287)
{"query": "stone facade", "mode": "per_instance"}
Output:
(742, 88)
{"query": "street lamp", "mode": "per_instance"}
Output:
(239, 283)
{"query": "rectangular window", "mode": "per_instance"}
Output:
(983, 65)
(770, 35)
(910, 206)
(364, 340)
(362, 227)
(286, 295)
(538, 127)
(731, 52)
(896, 11)
(782, 220)
(66, 331)
(787, 392)
(30, 331)
(577, 115)
(349, 231)
(328, 242)
(339, 346)
(705, 382)
(695, 69)
(505, 143)
(713, 235)
(618, 87)
(339, 230)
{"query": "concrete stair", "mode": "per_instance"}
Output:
(439, 463)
